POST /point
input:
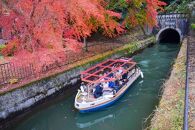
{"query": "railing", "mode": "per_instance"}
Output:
(9, 72)
(12, 73)
(186, 106)
(186, 100)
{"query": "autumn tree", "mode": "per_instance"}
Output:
(35, 24)
(137, 12)
(39, 29)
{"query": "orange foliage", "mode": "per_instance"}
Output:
(151, 11)
(37, 24)
(42, 28)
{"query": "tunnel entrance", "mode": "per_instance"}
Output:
(169, 36)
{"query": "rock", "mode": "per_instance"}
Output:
(4, 114)
(27, 103)
(51, 91)
(39, 97)
(17, 95)
(74, 81)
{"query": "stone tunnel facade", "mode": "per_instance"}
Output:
(171, 27)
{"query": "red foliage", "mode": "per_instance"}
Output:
(39, 28)
(39, 24)
(151, 11)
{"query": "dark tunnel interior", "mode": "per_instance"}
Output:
(169, 36)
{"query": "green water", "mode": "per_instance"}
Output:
(127, 114)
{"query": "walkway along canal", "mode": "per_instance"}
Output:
(127, 114)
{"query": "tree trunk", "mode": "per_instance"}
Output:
(85, 44)
(143, 30)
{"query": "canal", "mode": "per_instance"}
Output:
(127, 114)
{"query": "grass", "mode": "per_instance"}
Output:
(169, 114)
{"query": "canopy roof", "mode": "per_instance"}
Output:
(106, 71)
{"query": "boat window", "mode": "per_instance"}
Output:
(94, 70)
(125, 66)
(116, 64)
(103, 71)
(107, 63)
(93, 78)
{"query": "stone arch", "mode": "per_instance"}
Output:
(171, 32)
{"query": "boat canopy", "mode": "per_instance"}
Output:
(106, 71)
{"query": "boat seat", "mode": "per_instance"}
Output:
(108, 93)
(108, 96)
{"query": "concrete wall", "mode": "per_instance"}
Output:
(24, 97)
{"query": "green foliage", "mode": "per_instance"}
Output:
(2, 46)
(180, 6)
(193, 26)
(133, 12)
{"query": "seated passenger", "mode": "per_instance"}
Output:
(113, 85)
(98, 91)
(83, 87)
(111, 75)
(105, 85)
(120, 70)
(124, 77)
(116, 83)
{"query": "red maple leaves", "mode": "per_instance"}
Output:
(151, 10)
(39, 24)
(40, 28)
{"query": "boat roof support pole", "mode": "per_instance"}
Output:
(88, 91)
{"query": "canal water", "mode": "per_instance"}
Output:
(127, 114)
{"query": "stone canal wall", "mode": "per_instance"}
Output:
(26, 96)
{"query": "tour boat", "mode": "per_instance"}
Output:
(103, 84)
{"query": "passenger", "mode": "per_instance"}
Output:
(83, 87)
(113, 86)
(105, 85)
(124, 77)
(111, 75)
(120, 70)
(98, 91)
(121, 82)
(116, 83)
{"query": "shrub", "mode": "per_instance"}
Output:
(193, 26)
(2, 46)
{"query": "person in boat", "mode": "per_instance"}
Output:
(124, 77)
(119, 72)
(112, 85)
(111, 75)
(98, 91)
(83, 87)
(105, 85)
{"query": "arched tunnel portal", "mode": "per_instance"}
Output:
(169, 35)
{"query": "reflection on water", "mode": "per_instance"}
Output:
(127, 114)
(90, 123)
